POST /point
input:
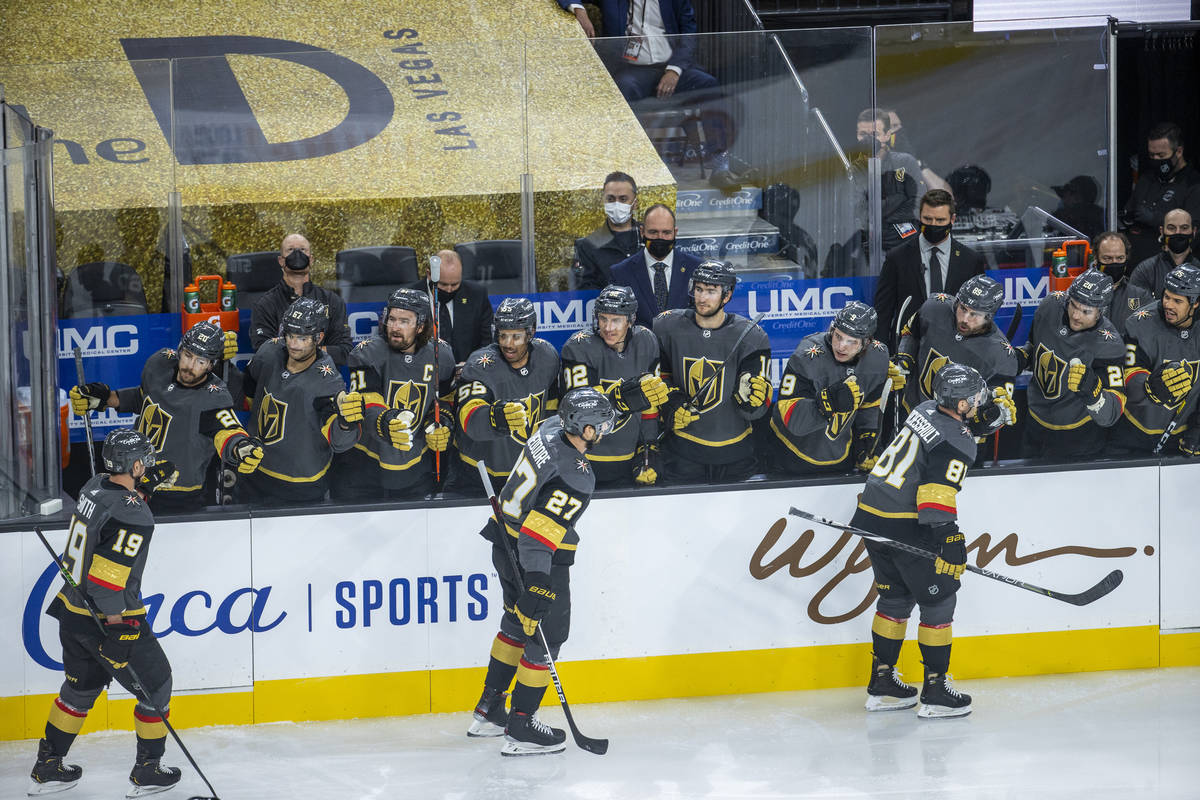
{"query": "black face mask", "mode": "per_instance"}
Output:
(1115, 270)
(1163, 168)
(445, 298)
(297, 261)
(1178, 243)
(935, 234)
(659, 248)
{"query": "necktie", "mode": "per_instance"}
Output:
(660, 285)
(935, 272)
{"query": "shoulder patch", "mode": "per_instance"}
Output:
(582, 465)
(878, 345)
(484, 360)
(1108, 334)
(580, 335)
(132, 500)
(327, 369)
(942, 297)
(814, 351)
(1058, 294)
(362, 345)
(169, 352)
(1145, 312)
(213, 387)
(664, 314)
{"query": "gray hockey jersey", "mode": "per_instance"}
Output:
(1127, 299)
(1150, 342)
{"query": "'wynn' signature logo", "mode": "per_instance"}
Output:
(857, 561)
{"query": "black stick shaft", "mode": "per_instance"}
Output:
(898, 409)
(87, 414)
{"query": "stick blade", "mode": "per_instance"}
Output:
(1110, 581)
(597, 746)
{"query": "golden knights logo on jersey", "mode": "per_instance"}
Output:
(154, 422)
(934, 361)
(535, 406)
(272, 416)
(1048, 371)
(699, 371)
(407, 396)
(836, 424)
(607, 386)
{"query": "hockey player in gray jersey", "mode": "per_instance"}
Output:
(827, 416)
(1112, 250)
(1161, 362)
(715, 394)
(1077, 359)
(620, 359)
(549, 489)
(911, 496)
(301, 411)
(507, 389)
(395, 373)
(186, 412)
(108, 541)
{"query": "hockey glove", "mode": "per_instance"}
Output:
(683, 416)
(535, 602)
(1189, 442)
(952, 559)
(840, 398)
(89, 397)
(395, 426)
(987, 419)
(248, 454)
(230, 345)
(507, 416)
(646, 465)
(1022, 354)
(1008, 409)
(437, 437)
(639, 394)
(350, 408)
(864, 450)
(1083, 381)
(899, 377)
(119, 639)
(1168, 384)
(905, 362)
(753, 390)
(161, 475)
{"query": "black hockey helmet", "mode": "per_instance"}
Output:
(615, 299)
(204, 339)
(123, 448)
(856, 319)
(305, 317)
(955, 382)
(1091, 288)
(714, 273)
(514, 313)
(1184, 280)
(413, 300)
(587, 406)
(981, 293)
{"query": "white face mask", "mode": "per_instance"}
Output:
(618, 213)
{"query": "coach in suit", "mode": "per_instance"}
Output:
(658, 274)
(923, 265)
(464, 310)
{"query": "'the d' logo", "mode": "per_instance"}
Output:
(272, 419)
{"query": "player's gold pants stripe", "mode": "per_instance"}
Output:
(109, 571)
(934, 636)
(889, 628)
(787, 442)
(1052, 427)
(64, 720)
(506, 653)
(937, 493)
(887, 514)
(530, 676)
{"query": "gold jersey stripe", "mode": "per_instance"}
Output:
(74, 609)
(465, 412)
(938, 493)
(794, 449)
(109, 572)
(279, 476)
(1052, 427)
(544, 527)
(707, 443)
(221, 437)
(887, 514)
(394, 467)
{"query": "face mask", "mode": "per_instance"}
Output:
(659, 248)
(1164, 168)
(297, 261)
(618, 213)
(446, 298)
(934, 234)
(1116, 270)
(1178, 243)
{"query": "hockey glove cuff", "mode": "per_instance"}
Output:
(89, 397)
(350, 408)
(639, 394)
(905, 362)
(118, 642)
(1083, 381)
(248, 454)
(952, 558)
(535, 602)
(1022, 354)
(753, 390)
(395, 427)
(1169, 384)
(508, 417)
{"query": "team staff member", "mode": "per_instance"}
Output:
(620, 359)
(1077, 358)
(1176, 234)
(542, 503)
(107, 544)
(616, 240)
(507, 389)
(1112, 258)
(295, 262)
(400, 381)
(464, 310)
(659, 274)
(828, 415)
(715, 393)
(301, 412)
(1169, 182)
(186, 412)
(911, 496)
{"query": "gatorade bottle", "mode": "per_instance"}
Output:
(228, 297)
(191, 299)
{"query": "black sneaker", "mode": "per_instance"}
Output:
(50, 774)
(490, 716)
(150, 777)
(886, 691)
(527, 735)
(940, 699)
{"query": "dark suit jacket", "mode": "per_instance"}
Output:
(632, 273)
(678, 16)
(903, 276)
(472, 327)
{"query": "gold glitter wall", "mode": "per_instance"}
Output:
(480, 94)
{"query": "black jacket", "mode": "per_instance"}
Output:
(472, 327)
(269, 309)
(596, 253)
(903, 276)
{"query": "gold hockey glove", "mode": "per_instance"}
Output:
(840, 398)
(1004, 401)
(249, 454)
(753, 390)
(952, 559)
(1083, 381)
(507, 416)
(395, 427)
(230, 345)
(646, 465)
(89, 397)
(864, 450)
(899, 377)
(1169, 384)
(350, 407)
(438, 437)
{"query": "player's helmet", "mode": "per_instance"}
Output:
(715, 273)
(305, 317)
(514, 313)
(204, 339)
(1091, 288)
(615, 299)
(955, 382)
(981, 293)
(587, 406)
(856, 319)
(1184, 280)
(123, 448)
(413, 300)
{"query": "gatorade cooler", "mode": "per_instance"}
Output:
(215, 312)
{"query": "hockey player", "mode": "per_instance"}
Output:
(827, 416)
(185, 410)
(1112, 258)
(910, 496)
(107, 543)
(542, 502)
(1161, 361)
(507, 389)
(620, 359)
(395, 373)
(301, 412)
(1077, 359)
(715, 394)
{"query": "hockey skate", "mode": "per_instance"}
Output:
(940, 699)
(886, 691)
(50, 774)
(490, 716)
(527, 735)
(149, 777)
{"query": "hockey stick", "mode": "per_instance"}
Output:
(87, 414)
(1162, 440)
(435, 274)
(597, 746)
(133, 678)
(1008, 334)
(1111, 581)
(898, 410)
(883, 401)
